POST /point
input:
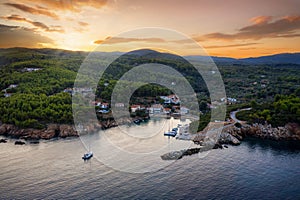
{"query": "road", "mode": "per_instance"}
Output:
(233, 115)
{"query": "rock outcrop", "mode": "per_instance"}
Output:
(233, 135)
(290, 131)
(108, 124)
(175, 155)
(58, 130)
(52, 131)
(66, 131)
(227, 138)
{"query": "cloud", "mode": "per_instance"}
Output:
(74, 6)
(261, 19)
(116, 40)
(39, 25)
(262, 27)
(83, 26)
(229, 46)
(83, 23)
(36, 11)
(98, 41)
(16, 36)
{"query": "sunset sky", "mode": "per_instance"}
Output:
(232, 28)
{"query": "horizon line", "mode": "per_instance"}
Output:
(86, 51)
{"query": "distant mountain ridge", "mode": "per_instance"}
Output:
(283, 58)
(293, 58)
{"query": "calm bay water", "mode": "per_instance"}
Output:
(55, 170)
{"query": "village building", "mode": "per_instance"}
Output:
(134, 108)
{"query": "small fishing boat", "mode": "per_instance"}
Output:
(170, 133)
(87, 156)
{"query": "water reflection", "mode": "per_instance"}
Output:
(276, 146)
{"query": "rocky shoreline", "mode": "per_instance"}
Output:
(233, 135)
(57, 130)
(52, 131)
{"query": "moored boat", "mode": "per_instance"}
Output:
(170, 133)
(87, 156)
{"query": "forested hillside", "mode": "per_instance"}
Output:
(32, 84)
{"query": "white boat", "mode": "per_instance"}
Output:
(87, 156)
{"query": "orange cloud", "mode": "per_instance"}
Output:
(228, 46)
(74, 6)
(32, 10)
(34, 23)
(262, 27)
(12, 36)
(116, 40)
(261, 19)
(98, 41)
(83, 23)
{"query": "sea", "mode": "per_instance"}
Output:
(133, 169)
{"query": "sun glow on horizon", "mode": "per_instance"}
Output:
(261, 29)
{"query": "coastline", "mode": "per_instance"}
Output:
(228, 135)
(233, 134)
(54, 130)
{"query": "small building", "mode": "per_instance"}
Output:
(104, 105)
(167, 110)
(134, 108)
(170, 99)
(69, 90)
(227, 100)
(176, 107)
(12, 86)
(231, 100)
(31, 69)
(174, 99)
(156, 108)
(7, 94)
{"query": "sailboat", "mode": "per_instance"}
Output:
(88, 155)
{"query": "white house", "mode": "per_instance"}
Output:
(228, 100)
(104, 105)
(7, 94)
(167, 110)
(12, 86)
(171, 99)
(30, 69)
(134, 108)
(155, 108)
